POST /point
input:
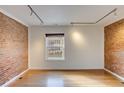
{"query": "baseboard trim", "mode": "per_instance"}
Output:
(63, 69)
(116, 75)
(13, 79)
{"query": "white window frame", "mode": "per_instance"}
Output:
(59, 47)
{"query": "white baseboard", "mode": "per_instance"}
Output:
(116, 75)
(63, 69)
(13, 79)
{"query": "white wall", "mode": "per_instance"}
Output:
(84, 47)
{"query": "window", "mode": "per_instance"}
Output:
(55, 46)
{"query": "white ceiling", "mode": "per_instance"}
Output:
(63, 14)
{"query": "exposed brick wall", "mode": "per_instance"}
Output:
(13, 48)
(114, 47)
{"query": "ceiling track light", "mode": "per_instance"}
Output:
(33, 12)
(81, 23)
(113, 11)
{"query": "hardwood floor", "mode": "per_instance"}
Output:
(85, 78)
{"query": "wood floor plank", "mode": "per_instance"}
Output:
(84, 78)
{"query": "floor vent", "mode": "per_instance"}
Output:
(20, 77)
(122, 82)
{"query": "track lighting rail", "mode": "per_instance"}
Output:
(33, 12)
(114, 10)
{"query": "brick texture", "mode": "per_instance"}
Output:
(114, 47)
(13, 48)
